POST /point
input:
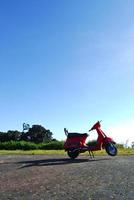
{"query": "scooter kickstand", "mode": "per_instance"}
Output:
(91, 154)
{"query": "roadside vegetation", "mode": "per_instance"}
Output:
(39, 140)
(24, 145)
(53, 147)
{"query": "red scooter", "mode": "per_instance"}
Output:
(75, 143)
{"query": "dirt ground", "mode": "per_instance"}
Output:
(55, 177)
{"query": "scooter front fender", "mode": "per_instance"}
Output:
(108, 140)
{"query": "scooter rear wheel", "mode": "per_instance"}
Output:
(72, 153)
(111, 149)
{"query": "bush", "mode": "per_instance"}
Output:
(13, 145)
(23, 145)
(92, 143)
(54, 145)
(120, 146)
(28, 145)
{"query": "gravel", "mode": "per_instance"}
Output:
(56, 177)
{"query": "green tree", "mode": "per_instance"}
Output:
(3, 137)
(10, 135)
(13, 135)
(39, 134)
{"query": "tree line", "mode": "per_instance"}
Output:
(36, 134)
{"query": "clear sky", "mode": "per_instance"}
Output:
(67, 64)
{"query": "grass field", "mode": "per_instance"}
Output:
(121, 151)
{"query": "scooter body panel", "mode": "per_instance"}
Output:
(75, 142)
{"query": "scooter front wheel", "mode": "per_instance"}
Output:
(72, 153)
(111, 149)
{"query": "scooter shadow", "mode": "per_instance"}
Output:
(55, 161)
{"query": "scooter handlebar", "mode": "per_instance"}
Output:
(97, 124)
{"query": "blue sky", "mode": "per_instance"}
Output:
(67, 64)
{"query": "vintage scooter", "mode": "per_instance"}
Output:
(75, 143)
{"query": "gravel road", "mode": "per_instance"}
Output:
(54, 177)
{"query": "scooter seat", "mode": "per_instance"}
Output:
(77, 135)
